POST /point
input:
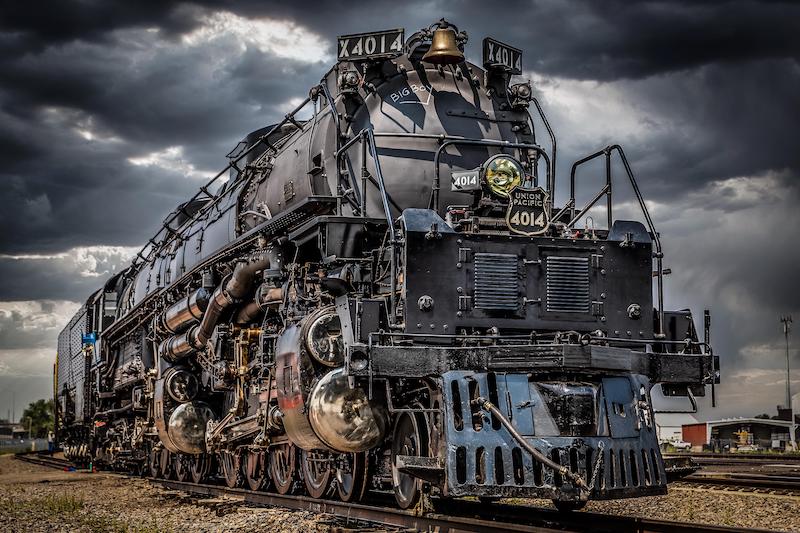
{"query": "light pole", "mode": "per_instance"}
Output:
(787, 320)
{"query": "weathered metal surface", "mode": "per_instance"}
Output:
(482, 458)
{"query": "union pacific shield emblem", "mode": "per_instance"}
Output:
(527, 211)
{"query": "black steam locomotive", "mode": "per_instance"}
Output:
(385, 297)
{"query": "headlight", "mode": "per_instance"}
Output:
(502, 173)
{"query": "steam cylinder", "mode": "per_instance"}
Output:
(187, 427)
(344, 418)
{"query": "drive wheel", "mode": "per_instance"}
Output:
(180, 465)
(254, 469)
(351, 476)
(316, 473)
(153, 463)
(165, 460)
(567, 506)
(409, 438)
(282, 461)
(230, 468)
(199, 467)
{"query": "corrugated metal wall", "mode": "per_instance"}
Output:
(72, 362)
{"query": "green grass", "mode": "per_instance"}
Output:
(60, 503)
(73, 513)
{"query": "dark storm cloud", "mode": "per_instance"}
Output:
(714, 122)
(134, 95)
(33, 324)
(72, 275)
(615, 39)
(66, 21)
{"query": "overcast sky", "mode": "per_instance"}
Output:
(111, 113)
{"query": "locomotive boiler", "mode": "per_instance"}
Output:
(384, 295)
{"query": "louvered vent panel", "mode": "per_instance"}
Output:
(568, 284)
(497, 282)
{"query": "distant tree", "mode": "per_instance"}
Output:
(39, 415)
(763, 416)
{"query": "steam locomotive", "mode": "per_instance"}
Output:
(384, 296)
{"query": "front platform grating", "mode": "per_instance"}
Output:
(497, 282)
(568, 284)
(484, 459)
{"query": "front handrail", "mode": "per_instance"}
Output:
(551, 185)
(606, 190)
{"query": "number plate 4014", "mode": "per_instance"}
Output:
(528, 211)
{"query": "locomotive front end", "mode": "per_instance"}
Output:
(515, 352)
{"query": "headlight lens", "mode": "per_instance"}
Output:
(502, 173)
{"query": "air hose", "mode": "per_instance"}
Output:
(576, 479)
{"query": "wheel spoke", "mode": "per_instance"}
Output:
(352, 476)
(282, 467)
(316, 473)
(230, 472)
(255, 473)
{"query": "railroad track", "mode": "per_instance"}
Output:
(43, 460)
(734, 459)
(745, 482)
(453, 516)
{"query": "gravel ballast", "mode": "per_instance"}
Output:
(39, 499)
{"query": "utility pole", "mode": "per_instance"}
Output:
(787, 320)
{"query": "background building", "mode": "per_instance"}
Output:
(669, 426)
(739, 433)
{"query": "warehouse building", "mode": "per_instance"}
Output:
(739, 434)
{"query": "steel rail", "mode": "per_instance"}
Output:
(732, 458)
(467, 517)
(739, 479)
(43, 460)
(355, 511)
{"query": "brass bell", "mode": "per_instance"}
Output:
(443, 50)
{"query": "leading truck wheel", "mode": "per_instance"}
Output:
(180, 464)
(410, 438)
(165, 460)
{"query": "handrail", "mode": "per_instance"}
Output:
(434, 202)
(204, 188)
(606, 189)
(337, 122)
(367, 139)
(551, 185)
